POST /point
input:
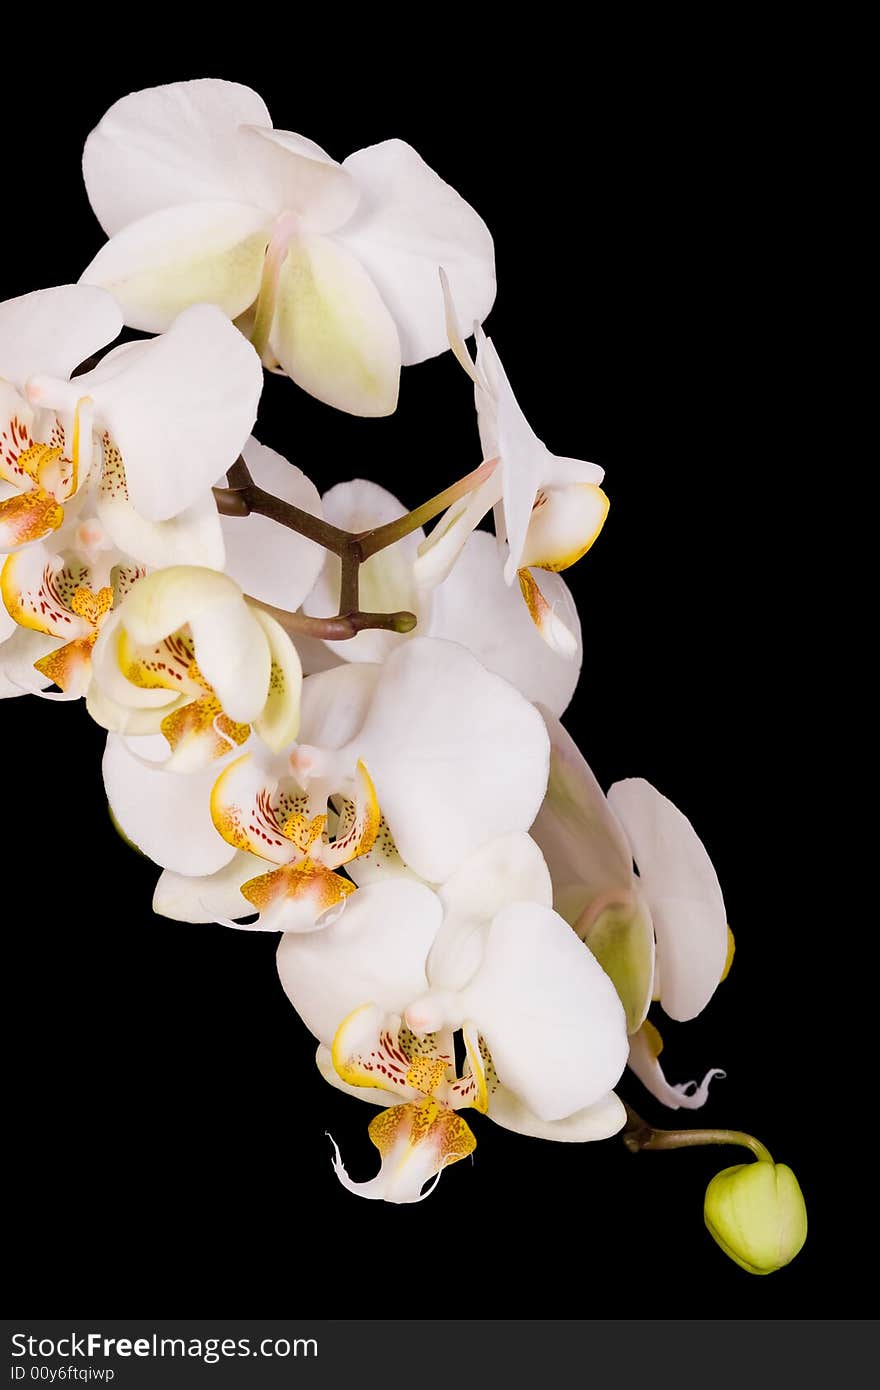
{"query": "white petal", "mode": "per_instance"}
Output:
(234, 656)
(410, 223)
(682, 891)
(18, 652)
(208, 898)
(586, 850)
(166, 815)
(620, 935)
(119, 718)
(335, 704)
(303, 178)
(52, 331)
(270, 562)
(371, 1094)
(167, 599)
(177, 143)
(8, 625)
(524, 458)
(506, 870)
(386, 579)
(193, 537)
(332, 333)
(381, 862)
(374, 953)
(440, 551)
(456, 754)
(564, 524)
(598, 1121)
(550, 1016)
(278, 722)
(476, 608)
(645, 1049)
(180, 410)
(198, 253)
(114, 701)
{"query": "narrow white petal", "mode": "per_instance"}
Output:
(524, 457)
(278, 722)
(441, 550)
(582, 841)
(643, 1060)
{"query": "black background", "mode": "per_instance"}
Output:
(167, 1127)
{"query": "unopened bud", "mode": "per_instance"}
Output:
(756, 1212)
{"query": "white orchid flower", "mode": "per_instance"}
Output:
(472, 606)
(272, 818)
(131, 449)
(186, 656)
(452, 754)
(203, 200)
(387, 985)
(45, 456)
(548, 510)
(64, 598)
(660, 934)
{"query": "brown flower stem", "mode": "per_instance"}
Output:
(243, 497)
(335, 629)
(638, 1134)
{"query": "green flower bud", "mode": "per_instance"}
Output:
(756, 1212)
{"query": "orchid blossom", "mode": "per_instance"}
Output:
(130, 449)
(45, 456)
(661, 934)
(548, 510)
(394, 770)
(336, 264)
(65, 598)
(186, 656)
(387, 984)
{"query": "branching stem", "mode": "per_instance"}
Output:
(243, 496)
